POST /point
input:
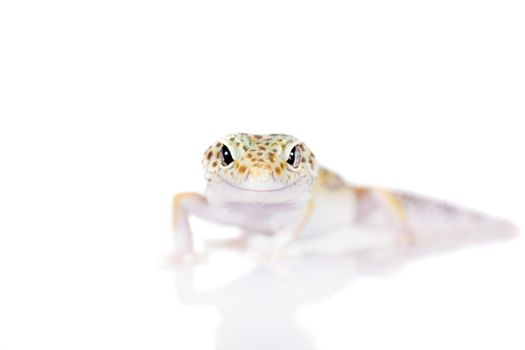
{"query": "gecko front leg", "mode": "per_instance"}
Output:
(282, 242)
(290, 236)
(185, 205)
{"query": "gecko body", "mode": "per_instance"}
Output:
(273, 185)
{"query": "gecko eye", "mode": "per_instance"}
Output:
(295, 157)
(226, 156)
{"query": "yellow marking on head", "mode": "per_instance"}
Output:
(241, 169)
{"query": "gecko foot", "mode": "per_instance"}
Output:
(238, 243)
(185, 258)
(276, 255)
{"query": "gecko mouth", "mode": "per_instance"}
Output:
(266, 190)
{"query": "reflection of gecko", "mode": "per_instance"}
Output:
(272, 184)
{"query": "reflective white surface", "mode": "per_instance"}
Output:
(365, 297)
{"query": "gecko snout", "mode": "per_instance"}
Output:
(259, 173)
(261, 178)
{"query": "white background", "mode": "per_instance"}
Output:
(107, 106)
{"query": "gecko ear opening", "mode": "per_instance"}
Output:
(295, 157)
(226, 156)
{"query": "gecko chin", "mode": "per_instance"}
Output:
(259, 192)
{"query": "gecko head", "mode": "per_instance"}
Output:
(249, 168)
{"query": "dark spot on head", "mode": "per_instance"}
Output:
(313, 155)
(218, 144)
(232, 139)
(259, 153)
(242, 169)
(303, 160)
(278, 171)
(245, 148)
(257, 137)
(262, 148)
(214, 164)
(209, 155)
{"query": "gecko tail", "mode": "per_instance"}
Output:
(429, 219)
(433, 217)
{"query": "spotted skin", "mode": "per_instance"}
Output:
(273, 185)
(262, 156)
